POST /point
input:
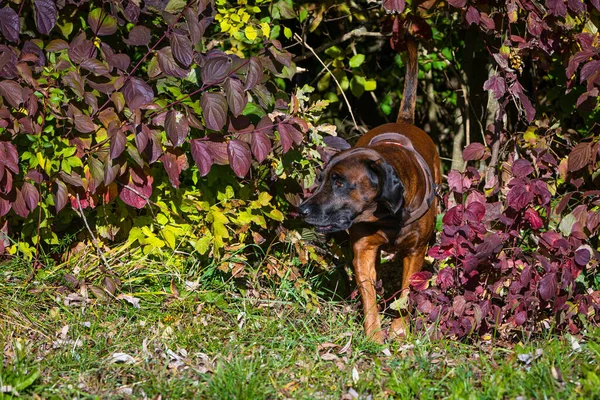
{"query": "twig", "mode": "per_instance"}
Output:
(299, 39)
(359, 32)
(106, 268)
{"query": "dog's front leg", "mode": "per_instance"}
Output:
(366, 256)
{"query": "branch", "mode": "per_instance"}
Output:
(359, 32)
(106, 269)
(300, 40)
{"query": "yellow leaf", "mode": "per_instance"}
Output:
(265, 28)
(276, 215)
(250, 32)
(225, 26)
(202, 245)
(264, 198)
(220, 230)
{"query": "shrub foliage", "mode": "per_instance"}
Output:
(186, 127)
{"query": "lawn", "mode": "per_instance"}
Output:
(193, 335)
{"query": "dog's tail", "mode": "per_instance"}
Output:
(409, 96)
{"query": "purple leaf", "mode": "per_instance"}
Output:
(137, 93)
(291, 131)
(239, 157)
(497, 85)
(9, 156)
(218, 151)
(182, 49)
(214, 109)
(472, 16)
(445, 278)
(202, 156)
(474, 151)
(81, 49)
(457, 3)
(394, 6)
(168, 64)
(10, 26)
(19, 206)
(176, 127)
(45, 16)
(132, 12)
(60, 195)
(577, 6)
(138, 36)
(260, 144)
(117, 140)
(236, 96)
(83, 123)
(30, 195)
(12, 92)
(548, 287)
(519, 197)
(101, 22)
(254, 75)
(557, 7)
(582, 257)
(580, 156)
(336, 142)
(97, 67)
(215, 70)
(521, 168)
(193, 25)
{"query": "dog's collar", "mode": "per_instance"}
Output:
(413, 211)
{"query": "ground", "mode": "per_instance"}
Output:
(212, 339)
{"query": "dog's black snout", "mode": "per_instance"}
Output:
(304, 210)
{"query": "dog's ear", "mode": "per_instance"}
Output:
(391, 190)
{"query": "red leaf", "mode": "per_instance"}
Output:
(138, 190)
(60, 195)
(474, 151)
(10, 26)
(521, 168)
(9, 156)
(214, 108)
(533, 218)
(176, 127)
(445, 278)
(519, 197)
(239, 157)
(420, 280)
(548, 287)
(202, 156)
(580, 156)
(45, 15)
(174, 161)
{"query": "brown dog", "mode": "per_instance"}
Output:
(383, 191)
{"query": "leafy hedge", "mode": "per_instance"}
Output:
(103, 103)
(186, 127)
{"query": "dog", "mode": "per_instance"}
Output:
(382, 191)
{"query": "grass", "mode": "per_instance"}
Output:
(217, 340)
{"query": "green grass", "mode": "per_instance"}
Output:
(225, 341)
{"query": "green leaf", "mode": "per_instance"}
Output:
(333, 52)
(175, 6)
(203, 244)
(357, 60)
(287, 32)
(357, 85)
(370, 85)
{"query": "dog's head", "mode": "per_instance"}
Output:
(352, 182)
